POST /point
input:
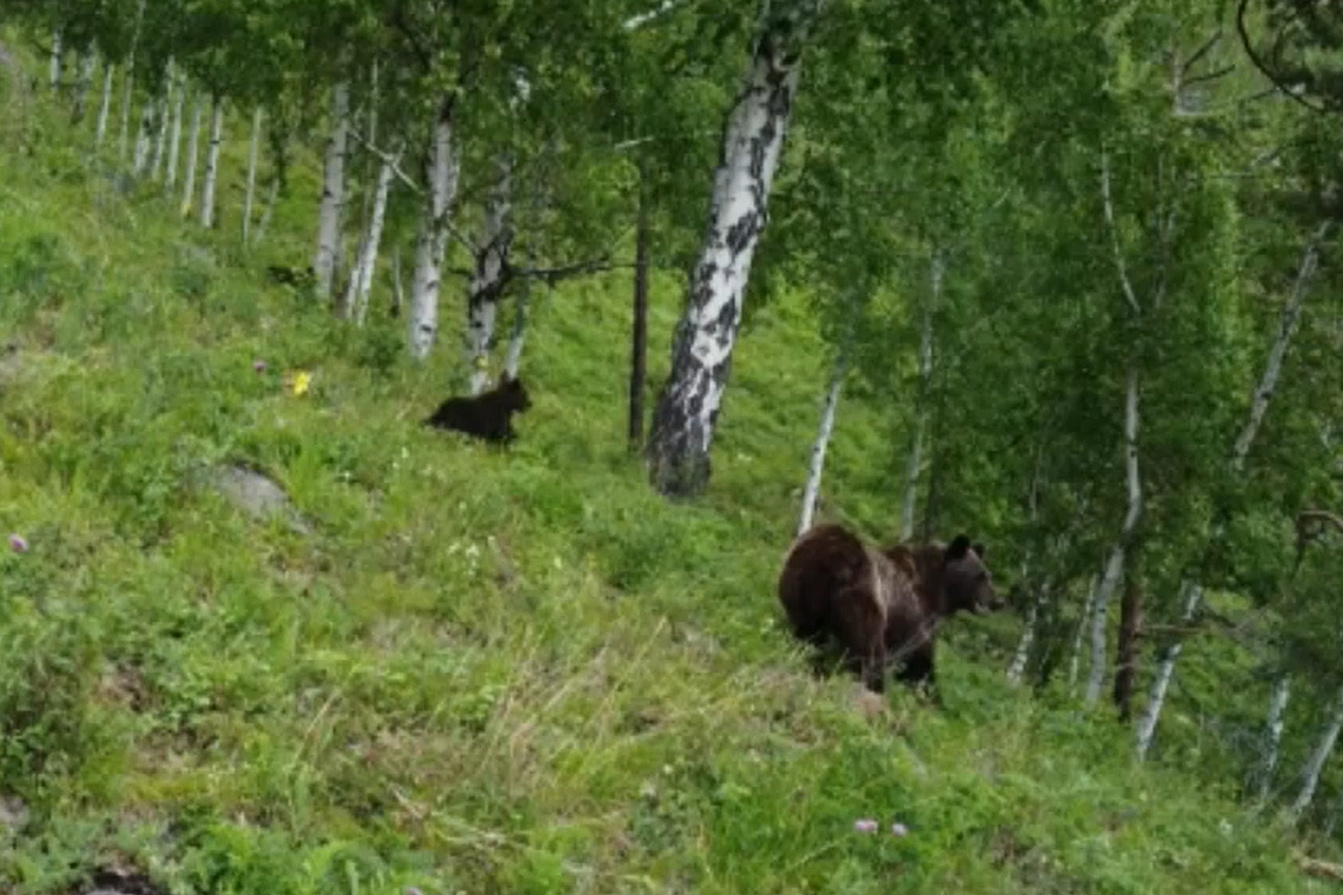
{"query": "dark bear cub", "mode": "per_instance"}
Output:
(292, 276)
(488, 415)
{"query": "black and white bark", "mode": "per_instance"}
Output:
(105, 109)
(486, 286)
(1267, 385)
(128, 85)
(521, 317)
(1016, 670)
(1114, 566)
(914, 467)
(144, 140)
(441, 173)
(1310, 771)
(1079, 634)
(355, 303)
(193, 155)
(57, 54)
(253, 155)
(162, 124)
(211, 174)
(333, 191)
(678, 450)
(88, 61)
(1156, 696)
(1279, 696)
(816, 465)
(175, 133)
(639, 325)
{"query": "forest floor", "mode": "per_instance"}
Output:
(475, 670)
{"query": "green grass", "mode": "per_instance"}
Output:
(484, 671)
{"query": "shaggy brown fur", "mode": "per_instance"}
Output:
(883, 606)
(488, 415)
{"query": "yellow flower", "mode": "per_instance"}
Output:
(302, 379)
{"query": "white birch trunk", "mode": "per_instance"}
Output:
(144, 139)
(1156, 697)
(487, 280)
(816, 466)
(1310, 773)
(88, 61)
(361, 280)
(1277, 708)
(1114, 567)
(753, 138)
(57, 51)
(249, 195)
(1075, 651)
(212, 162)
(1017, 670)
(1263, 394)
(175, 137)
(441, 175)
(104, 110)
(161, 137)
(333, 191)
(398, 287)
(127, 95)
(272, 196)
(519, 335)
(920, 413)
(193, 153)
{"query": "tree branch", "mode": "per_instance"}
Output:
(1258, 61)
(1122, 269)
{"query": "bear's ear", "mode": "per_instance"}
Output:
(979, 550)
(958, 547)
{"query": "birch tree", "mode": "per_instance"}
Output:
(441, 173)
(333, 190)
(753, 137)
(211, 173)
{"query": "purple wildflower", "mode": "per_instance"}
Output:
(18, 543)
(259, 366)
(865, 825)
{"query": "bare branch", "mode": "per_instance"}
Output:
(1120, 266)
(1259, 62)
(1200, 53)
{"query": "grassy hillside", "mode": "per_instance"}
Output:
(481, 671)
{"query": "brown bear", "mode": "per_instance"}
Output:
(488, 415)
(883, 606)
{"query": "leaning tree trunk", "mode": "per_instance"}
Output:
(1165, 671)
(487, 280)
(1310, 772)
(639, 329)
(193, 153)
(333, 191)
(175, 136)
(88, 61)
(1277, 709)
(915, 464)
(1083, 620)
(128, 89)
(1130, 628)
(212, 162)
(249, 196)
(1114, 567)
(431, 241)
(105, 109)
(361, 279)
(687, 410)
(816, 466)
(1263, 394)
